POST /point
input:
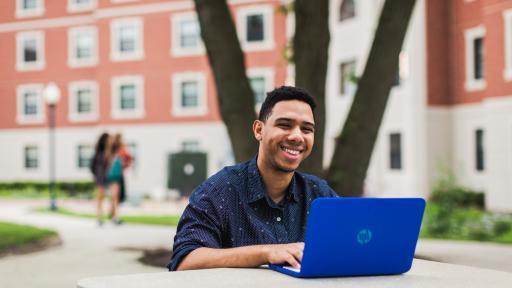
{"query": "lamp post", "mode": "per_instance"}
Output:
(51, 94)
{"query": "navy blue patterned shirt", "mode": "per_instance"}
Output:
(232, 209)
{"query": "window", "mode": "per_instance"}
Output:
(30, 51)
(29, 8)
(83, 101)
(261, 81)
(402, 71)
(189, 94)
(190, 145)
(479, 150)
(127, 39)
(474, 41)
(395, 151)
(348, 81)
(255, 27)
(30, 104)
(85, 154)
(81, 5)
(128, 97)
(83, 50)
(31, 155)
(347, 9)
(186, 35)
(258, 89)
(478, 72)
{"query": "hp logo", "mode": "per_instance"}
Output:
(364, 236)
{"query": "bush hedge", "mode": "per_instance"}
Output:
(456, 212)
(69, 188)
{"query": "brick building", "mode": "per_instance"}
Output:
(451, 107)
(135, 67)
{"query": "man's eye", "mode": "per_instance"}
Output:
(308, 130)
(283, 125)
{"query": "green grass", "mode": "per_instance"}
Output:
(12, 235)
(167, 220)
(456, 223)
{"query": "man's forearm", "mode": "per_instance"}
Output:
(246, 256)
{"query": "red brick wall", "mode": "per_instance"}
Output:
(446, 73)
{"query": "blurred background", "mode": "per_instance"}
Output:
(71, 70)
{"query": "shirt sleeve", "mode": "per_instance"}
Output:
(199, 226)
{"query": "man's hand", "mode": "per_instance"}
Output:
(285, 253)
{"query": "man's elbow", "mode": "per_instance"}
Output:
(187, 262)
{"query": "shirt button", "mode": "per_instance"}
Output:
(278, 219)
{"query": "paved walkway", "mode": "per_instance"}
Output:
(89, 250)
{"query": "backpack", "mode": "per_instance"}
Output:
(116, 170)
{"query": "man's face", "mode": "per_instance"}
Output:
(287, 137)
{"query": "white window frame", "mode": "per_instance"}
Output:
(176, 49)
(116, 82)
(507, 22)
(177, 107)
(115, 53)
(21, 65)
(21, 118)
(72, 35)
(267, 73)
(74, 115)
(75, 7)
(472, 84)
(268, 29)
(22, 13)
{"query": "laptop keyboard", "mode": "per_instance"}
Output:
(292, 268)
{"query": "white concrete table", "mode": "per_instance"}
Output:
(423, 274)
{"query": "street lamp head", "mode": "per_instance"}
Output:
(51, 93)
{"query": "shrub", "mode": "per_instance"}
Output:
(501, 226)
(68, 188)
(448, 193)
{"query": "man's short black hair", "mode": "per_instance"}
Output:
(284, 93)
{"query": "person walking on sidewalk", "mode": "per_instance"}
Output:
(114, 178)
(99, 166)
(126, 162)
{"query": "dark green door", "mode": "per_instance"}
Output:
(185, 171)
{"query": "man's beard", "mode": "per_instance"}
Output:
(281, 169)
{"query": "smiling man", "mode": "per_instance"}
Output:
(255, 212)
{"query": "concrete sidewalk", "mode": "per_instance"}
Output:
(469, 253)
(87, 250)
(90, 251)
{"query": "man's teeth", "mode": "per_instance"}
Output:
(293, 152)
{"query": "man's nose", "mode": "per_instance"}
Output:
(296, 135)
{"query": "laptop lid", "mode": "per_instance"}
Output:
(360, 236)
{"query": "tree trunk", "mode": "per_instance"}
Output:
(310, 45)
(236, 100)
(355, 145)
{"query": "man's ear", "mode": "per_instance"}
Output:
(257, 129)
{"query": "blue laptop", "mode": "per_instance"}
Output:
(359, 236)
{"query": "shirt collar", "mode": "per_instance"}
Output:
(257, 191)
